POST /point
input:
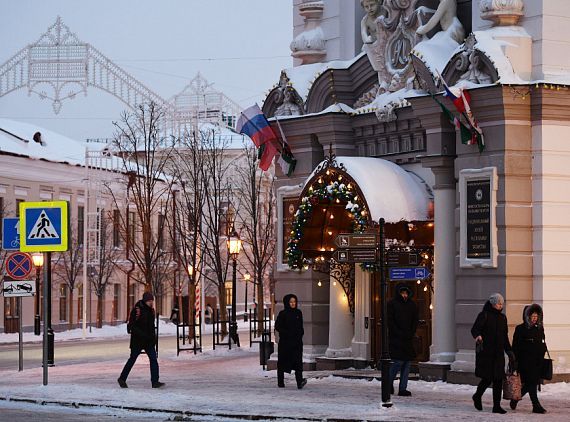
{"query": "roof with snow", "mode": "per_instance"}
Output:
(390, 191)
(17, 138)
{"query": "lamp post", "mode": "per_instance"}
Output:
(38, 260)
(246, 279)
(234, 246)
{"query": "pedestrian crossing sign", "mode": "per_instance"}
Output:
(44, 226)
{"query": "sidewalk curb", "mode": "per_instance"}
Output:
(178, 415)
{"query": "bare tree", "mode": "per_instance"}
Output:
(145, 150)
(100, 275)
(68, 266)
(187, 206)
(218, 214)
(256, 219)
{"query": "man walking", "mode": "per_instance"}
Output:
(141, 328)
(402, 324)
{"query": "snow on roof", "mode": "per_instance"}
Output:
(489, 45)
(390, 191)
(17, 138)
(436, 51)
(302, 77)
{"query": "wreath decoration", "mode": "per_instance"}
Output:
(333, 191)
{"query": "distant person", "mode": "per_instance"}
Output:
(402, 325)
(208, 314)
(289, 325)
(529, 347)
(490, 332)
(141, 328)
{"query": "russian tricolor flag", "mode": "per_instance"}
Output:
(253, 123)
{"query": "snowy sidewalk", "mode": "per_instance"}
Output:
(225, 383)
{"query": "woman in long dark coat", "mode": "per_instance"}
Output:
(529, 347)
(289, 324)
(490, 332)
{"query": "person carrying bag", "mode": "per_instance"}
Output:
(529, 347)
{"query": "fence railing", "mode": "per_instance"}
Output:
(185, 335)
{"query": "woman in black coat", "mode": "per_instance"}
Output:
(289, 324)
(490, 332)
(529, 347)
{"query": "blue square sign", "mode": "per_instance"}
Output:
(11, 234)
(44, 226)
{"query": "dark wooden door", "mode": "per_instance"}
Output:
(422, 340)
(11, 315)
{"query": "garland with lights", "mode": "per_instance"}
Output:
(330, 192)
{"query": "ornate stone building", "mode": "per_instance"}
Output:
(488, 177)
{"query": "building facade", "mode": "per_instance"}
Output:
(498, 199)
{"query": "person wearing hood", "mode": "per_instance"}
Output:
(289, 325)
(402, 324)
(529, 347)
(491, 335)
(141, 328)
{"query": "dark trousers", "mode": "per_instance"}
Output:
(497, 390)
(531, 389)
(298, 376)
(135, 352)
(404, 367)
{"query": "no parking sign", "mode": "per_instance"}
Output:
(19, 265)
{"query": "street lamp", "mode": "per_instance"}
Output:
(246, 279)
(234, 246)
(38, 259)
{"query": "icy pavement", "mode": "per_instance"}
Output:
(225, 384)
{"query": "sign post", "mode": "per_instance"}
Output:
(44, 228)
(385, 355)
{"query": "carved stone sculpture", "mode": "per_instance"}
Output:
(471, 65)
(288, 106)
(502, 12)
(396, 36)
(368, 23)
(309, 45)
(446, 16)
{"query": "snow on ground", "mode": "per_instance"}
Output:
(107, 331)
(226, 383)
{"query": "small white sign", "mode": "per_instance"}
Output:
(19, 288)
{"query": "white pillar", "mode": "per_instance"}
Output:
(361, 340)
(341, 328)
(444, 345)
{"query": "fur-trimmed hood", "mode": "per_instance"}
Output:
(529, 310)
(287, 298)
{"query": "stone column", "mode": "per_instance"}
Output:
(443, 346)
(440, 157)
(361, 340)
(340, 323)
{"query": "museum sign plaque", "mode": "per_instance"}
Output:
(478, 224)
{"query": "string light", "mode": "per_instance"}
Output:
(319, 283)
(431, 307)
(334, 283)
(419, 282)
(425, 289)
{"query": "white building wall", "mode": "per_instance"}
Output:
(341, 26)
(546, 21)
(551, 244)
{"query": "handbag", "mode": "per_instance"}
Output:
(546, 370)
(512, 386)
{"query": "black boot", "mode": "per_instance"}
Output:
(513, 404)
(538, 409)
(499, 409)
(477, 402)
(280, 379)
(497, 392)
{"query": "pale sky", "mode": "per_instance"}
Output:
(238, 45)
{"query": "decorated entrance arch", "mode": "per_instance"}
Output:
(333, 191)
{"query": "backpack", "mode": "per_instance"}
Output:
(132, 319)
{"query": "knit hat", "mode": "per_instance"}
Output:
(496, 298)
(147, 296)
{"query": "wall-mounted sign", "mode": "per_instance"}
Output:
(478, 223)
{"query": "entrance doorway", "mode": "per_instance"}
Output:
(11, 315)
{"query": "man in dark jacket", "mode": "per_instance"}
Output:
(289, 325)
(141, 327)
(491, 335)
(402, 324)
